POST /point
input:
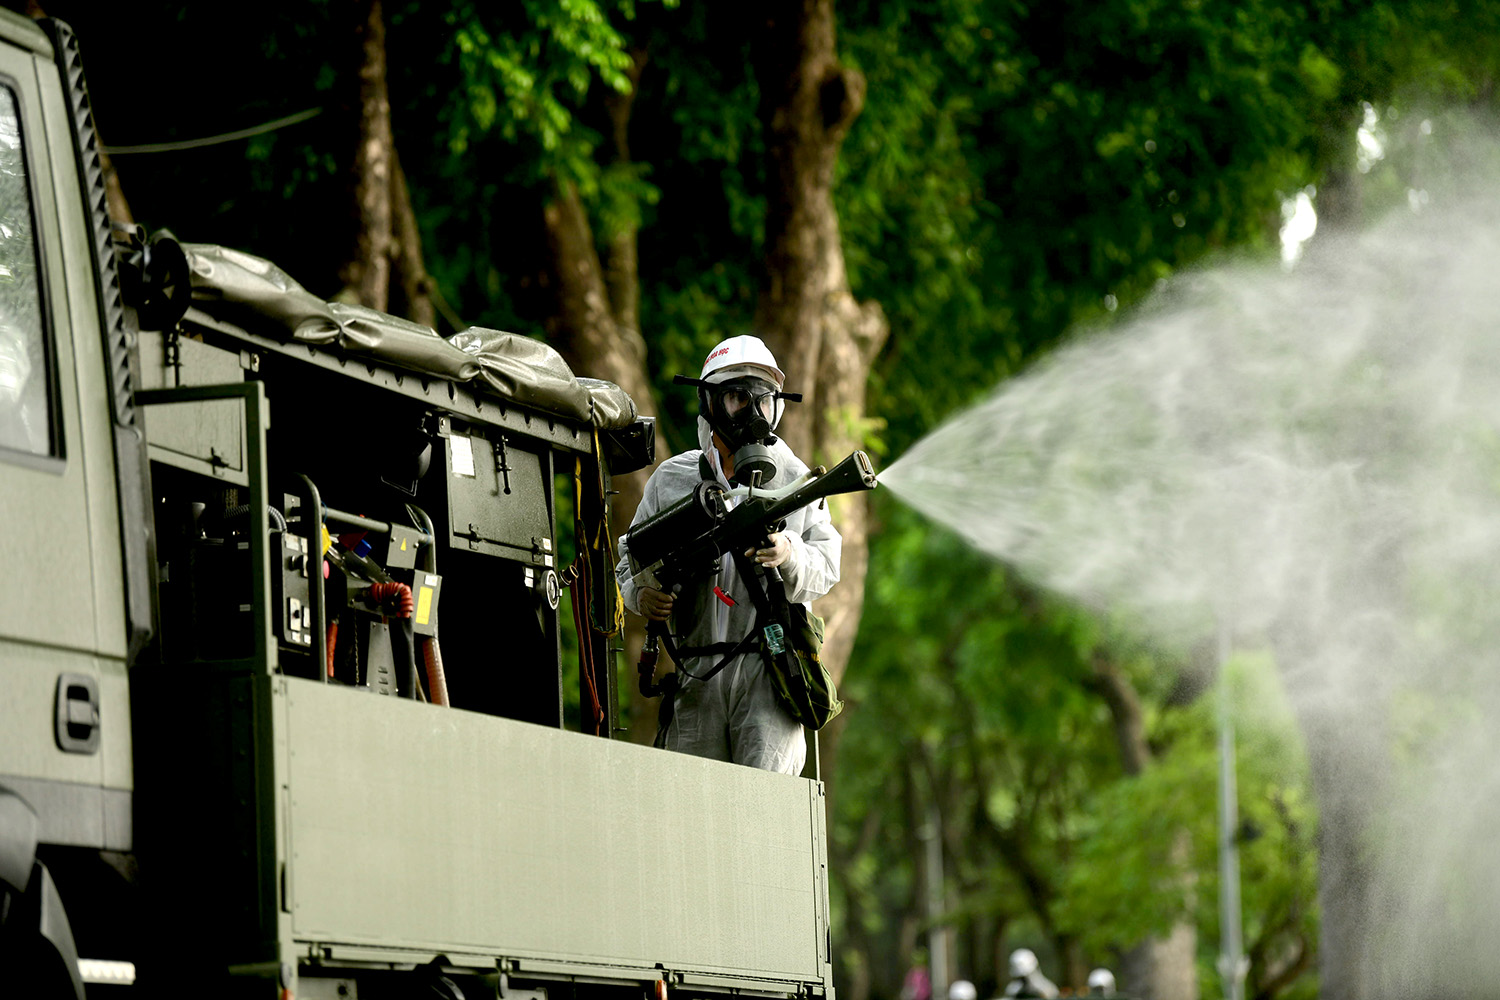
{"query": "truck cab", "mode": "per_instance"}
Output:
(285, 710)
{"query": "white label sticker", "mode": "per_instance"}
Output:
(463, 455)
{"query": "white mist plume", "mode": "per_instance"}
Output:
(1313, 458)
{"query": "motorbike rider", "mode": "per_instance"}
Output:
(1026, 979)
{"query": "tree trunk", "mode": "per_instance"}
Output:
(1160, 968)
(823, 338)
(1348, 765)
(855, 965)
(406, 251)
(367, 276)
(622, 277)
(119, 208)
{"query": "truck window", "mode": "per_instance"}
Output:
(25, 398)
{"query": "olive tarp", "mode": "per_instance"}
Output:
(256, 294)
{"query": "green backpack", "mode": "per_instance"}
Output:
(799, 677)
(791, 643)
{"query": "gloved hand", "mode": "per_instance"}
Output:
(780, 550)
(656, 605)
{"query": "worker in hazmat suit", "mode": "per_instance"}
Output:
(1026, 979)
(733, 714)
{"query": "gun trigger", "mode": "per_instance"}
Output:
(724, 597)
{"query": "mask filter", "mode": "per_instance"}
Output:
(750, 459)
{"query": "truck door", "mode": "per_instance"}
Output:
(50, 667)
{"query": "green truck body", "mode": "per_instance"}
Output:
(201, 788)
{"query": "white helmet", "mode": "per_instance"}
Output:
(962, 989)
(740, 351)
(1022, 963)
(740, 399)
(747, 370)
(1102, 982)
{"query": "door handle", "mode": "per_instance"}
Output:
(77, 713)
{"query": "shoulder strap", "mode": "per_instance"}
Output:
(765, 611)
(729, 649)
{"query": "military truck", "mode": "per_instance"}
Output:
(283, 699)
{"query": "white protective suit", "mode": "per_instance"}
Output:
(734, 715)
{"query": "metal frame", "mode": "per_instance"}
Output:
(257, 419)
(453, 399)
(312, 521)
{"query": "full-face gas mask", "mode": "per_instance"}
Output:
(742, 403)
(743, 411)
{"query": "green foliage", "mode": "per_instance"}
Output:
(1016, 165)
(526, 69)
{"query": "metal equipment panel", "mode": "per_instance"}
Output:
(443, 830)
(498, 496)
(206, 437)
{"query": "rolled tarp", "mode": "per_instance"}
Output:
(255, 294)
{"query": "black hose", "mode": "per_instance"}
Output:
(404, 652)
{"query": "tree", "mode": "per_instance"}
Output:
(639, 181)
(806, 311)
(387, 240)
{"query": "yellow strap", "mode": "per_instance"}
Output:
(599, 542)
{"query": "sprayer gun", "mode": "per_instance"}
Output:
(684, 542)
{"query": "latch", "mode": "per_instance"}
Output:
(77, 713)
(502, 465)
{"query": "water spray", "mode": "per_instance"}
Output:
(1314, 457)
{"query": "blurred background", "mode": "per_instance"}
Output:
(911, 201)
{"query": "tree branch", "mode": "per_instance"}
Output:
(1125, 708)
(406, 250)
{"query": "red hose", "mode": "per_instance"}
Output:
(397, 593)
(437, 683)
(333, 642)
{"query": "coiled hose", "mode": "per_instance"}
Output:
(398, 597)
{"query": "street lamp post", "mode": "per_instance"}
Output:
(937, 935)
(1233, 965)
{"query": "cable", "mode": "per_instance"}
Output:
(278, 522)
(459, 326)
(214, 140)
